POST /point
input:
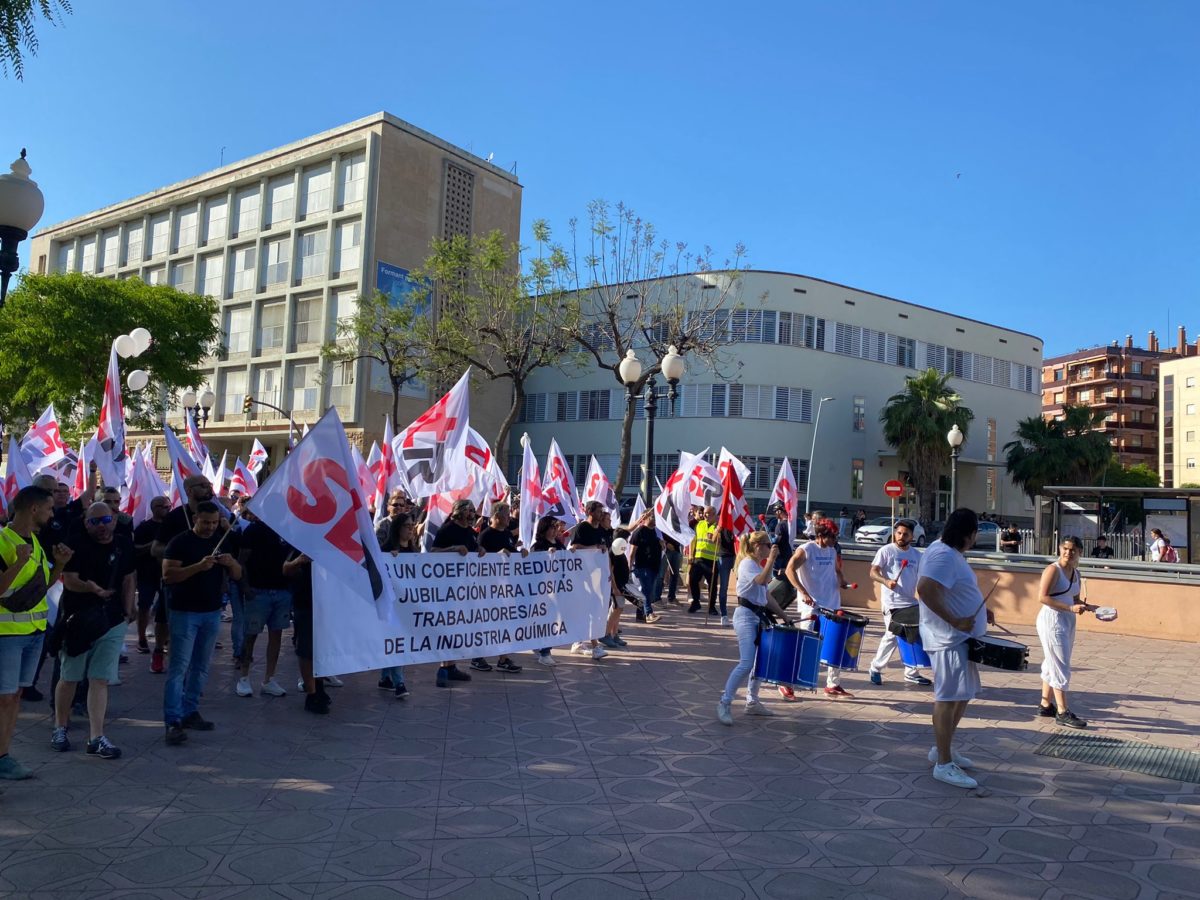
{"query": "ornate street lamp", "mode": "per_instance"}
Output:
(198, 407)
(21, 205)
(673, 368)
(954, 437)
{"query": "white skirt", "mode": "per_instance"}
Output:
(1056, 630)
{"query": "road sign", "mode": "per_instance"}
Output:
(893, 488)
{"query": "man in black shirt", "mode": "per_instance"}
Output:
(456, 536)
(149, 571)
(1102, 550)
(194, 567)
(98, 581)
(590, 535)
(647, 563)
(497, 538)
(267, 602)
(1010, 539)
(298, 569)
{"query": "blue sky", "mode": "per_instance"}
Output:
(1029, 164)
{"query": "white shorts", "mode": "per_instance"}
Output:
(955, 677)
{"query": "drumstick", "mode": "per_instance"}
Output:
(985, 599)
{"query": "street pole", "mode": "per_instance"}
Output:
(954, 451)
(651, 404)
(812, 455)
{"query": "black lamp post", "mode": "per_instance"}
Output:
(630, 370)
(198, 406)
(21, 205)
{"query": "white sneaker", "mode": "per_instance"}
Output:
(334, 681)
(599, 652)
(243, 688)
(724, 621)
(950, 773)
(724, 713)
(545, 660)
(273, 688)
(581, 649)
(758, 709)
(958, 759)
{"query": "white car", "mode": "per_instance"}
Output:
(879, 531)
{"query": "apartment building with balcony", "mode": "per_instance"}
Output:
(287, 241)
(1123, 381)
(1179, 421)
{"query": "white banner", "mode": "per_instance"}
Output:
(452, 607)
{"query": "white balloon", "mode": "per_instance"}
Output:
(141, 339)
(619, 546)
(138, 379)
(125, 346)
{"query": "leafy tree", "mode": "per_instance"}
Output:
(634, 290)
(1069, 450)
(56, 332)
(915, 422)
(505, 322)
(388, 332)
(17, 34)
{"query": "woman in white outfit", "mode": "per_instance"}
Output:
(753, 568)
(1061, 605)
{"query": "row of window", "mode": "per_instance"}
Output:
(308, 324)
(226, 216)
(295, 386)
(737, 401)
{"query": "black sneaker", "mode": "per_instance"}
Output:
(507, 665)
(103, 748)
(195, 722)
(694, 608)
(385, 684)
(454, 674)
(32, 694)
(1068, 719)
(479, 664)
(1048, 712)
(314, 703)
(401, 691)
(175, 734)
(143, 647)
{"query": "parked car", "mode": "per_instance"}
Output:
(988, 537)
(879, 531)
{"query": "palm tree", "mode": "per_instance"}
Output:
(915, 423)
(1067, 450)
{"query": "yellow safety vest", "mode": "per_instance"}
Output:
(32, 620)
(706, 540)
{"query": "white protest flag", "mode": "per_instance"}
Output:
(258, 458)
(144, 486)
(734, 513)
(387, 473)
(785, 492)
(304, 431)
(206, 469)
(110, 457)
(531, 496)
(83, 467)
(221, 476)
(191, 436)
(366, 480)
(425, 449)
(639, 508)
(243, 479)
(596, 486)
(493, 486)
(703, 481)
(440, 505)
(314, 502)
(182, 466)
(43, 446)
(672, 506)
(497, 487)
(16, 473)
(559, 497)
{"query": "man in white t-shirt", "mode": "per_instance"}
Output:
(815, 570)
(953, 609)
(894, 569)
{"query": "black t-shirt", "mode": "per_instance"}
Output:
(266, 552)
(781, 538)
(1103, 553)
(728, 546)
(57, 530)
(620, 569)
(107, 565)
(493, 540)
(544, 545)
(148, 568)
(1010, 536)
(179, 520)
(589, 535)
(672, 544)
(451, 534)
(201, 592)
(301, 585)
(647, 551)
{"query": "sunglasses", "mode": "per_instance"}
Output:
(100, 520)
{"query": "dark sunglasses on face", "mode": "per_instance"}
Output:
(100, 520)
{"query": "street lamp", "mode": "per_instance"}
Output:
(954, 437)
(812, 453)
(21, 205)
(198, 407)
(672, 367)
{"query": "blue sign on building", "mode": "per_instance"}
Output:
(398, 284)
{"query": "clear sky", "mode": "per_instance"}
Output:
(1030, 164)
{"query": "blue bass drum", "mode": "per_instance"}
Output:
(788, 656)
(841, 638)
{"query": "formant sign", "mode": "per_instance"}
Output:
(450, 606)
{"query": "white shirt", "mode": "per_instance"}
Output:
(900, 566)
(749, 569)
(1156, 549)
(962, 597)
(819, 575)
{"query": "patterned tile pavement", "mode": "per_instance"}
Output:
(611, 779)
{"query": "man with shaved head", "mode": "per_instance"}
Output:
(98, 586)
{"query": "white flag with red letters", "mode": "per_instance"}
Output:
(785, 492)
(596, 486)
(16, 473)
(243, 480)
(43, 446)
(530, 509)
(734, 513)
(559, 497)
(110, 457)
(258, 458)
(426, 450)
(672, 506)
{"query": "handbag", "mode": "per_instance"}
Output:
(28, 595)
(84, 627)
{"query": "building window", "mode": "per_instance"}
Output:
(1135, 368)
(341, 384)
(1085, 396)
(593, 405)
(352, 181)
(856, 479)
(1190, 381)
(267, 388)
(906, 352)
(307, 323)
(313, 250)
(1190, 463)
(349, 247)
(860, 413)
(1135, 391)
(186, 221)
(1058, 396)
(1058, 374)
(281, 200)
(183, 276)
(87, 256)
(270, 327)
(247, 211)
(1190, 409)
(66, 257)
(156, 275)
(244, 271)
(305, 389)
(345, 305)
(233, 392)
(277, 260)
(133, 244)
(237, 330)
(212, 269)
(216, 220)
(110, 250)
(160, 230)
(315, 188)
(1189, 435)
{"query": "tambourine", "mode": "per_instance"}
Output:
(1106, 613)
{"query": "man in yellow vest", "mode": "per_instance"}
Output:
(25, 577)
(702, 556)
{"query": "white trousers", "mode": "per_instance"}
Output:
(887, 646)
(1056, 630)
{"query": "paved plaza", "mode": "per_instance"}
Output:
(611, 779)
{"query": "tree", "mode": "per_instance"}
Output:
(388, 331)
(491, 315)
(915, 422)
(17, 35)
(56, 333)
(633, 290)
(1069, 450)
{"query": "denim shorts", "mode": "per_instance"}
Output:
(100, 662)
(19, 655)
(269, 609)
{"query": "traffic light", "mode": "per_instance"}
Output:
(247, 404)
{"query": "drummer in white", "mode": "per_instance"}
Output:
(895, 569)
(815, 570)
(953, 609)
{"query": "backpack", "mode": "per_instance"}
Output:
(1168, 555)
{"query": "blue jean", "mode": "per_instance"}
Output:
(650, 582)
(193, 636)
(669, 579)
(724, 570)
(745, 626)
(237, 606)
(394, 674)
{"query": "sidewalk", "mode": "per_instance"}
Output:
(611, 779)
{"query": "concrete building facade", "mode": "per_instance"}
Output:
(1179, 422)
(796, 340)
(287, 241)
